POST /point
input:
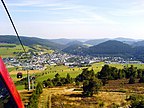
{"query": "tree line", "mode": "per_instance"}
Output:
(112, 73)
(58, 81)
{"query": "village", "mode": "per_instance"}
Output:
(40, 61)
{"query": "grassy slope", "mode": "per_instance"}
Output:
(9, 51)
(43, 49)
(63, 70)
(6, 51)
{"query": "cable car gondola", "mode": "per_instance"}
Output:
(9, 96)
(19, 75)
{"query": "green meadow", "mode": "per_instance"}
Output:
(7, 51)
(63, 70)
(50, 71)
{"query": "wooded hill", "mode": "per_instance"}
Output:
(30, 41)
(124, 47)
(108, 48)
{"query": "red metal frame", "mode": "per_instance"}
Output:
(10, 85)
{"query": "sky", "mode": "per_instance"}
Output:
(74, 19)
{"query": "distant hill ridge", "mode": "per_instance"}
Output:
(29, 41)
(111, 47)
(105, 47)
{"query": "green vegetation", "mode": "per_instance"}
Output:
(35, 95)
(30, 41)
(62, 70)
(141, 79)
(137, 101)
(20, 87)
(113, 73)
(91, 84)
(58, 81)
(59, 76)
(8, 45)
(11, 51)
(131, 80)
(50, 72)
(40, 48)
(11, 69)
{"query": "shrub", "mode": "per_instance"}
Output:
(141, 80)
(91, 86)
(35, 96)
(131, 80)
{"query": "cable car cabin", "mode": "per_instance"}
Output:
(19, 75)
(9, 96)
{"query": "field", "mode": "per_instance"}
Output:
(112, 94)
(43, 49)
(6, 50)
(50, 71)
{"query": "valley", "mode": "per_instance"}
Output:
(60, 71)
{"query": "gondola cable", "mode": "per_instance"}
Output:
(17, 34)
(13, 25)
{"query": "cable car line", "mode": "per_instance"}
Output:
(17, 34)
(13, 25)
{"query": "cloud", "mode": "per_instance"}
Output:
(35, 3)
(127, 12)
(94, 17)
(67, 12)
(132, 9)
(24, 3)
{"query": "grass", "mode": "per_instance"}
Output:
(14, 77)
(25, 95)
(43, 49)
(121, 66)
(11, 69)
(44, 99)
(8, 45)
(113, 93)
(20, 87)
(63, 97)
(9, 51)
(63, 70)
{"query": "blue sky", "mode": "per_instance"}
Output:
(87, 19)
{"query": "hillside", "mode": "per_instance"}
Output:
(61, 41)
(65, 41)
(75, 42)
(98, 41)
(139, 43)
(106, 48)
(30, 41)
(10, 50)
(95, 41)
(110, 47)
(75, 49)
